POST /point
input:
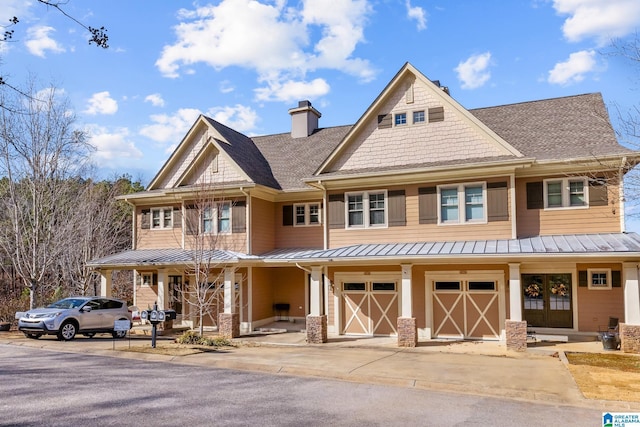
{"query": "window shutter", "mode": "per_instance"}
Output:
(583, 279)
(497, 201)
(239, 217)
(287, 215)
(535, 195)
(616, 279)
(145, 221)
(436, 114)
(384, 121)
(177, 218)
(192, 220)
(155, 279)
(428, 205)
(598, 194)
(336, 211)
(397, 208)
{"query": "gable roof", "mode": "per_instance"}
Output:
(555, 129)
(497, 145)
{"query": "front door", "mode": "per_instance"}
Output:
(547, 300)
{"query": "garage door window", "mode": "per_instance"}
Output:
(354, 287)
(447, 286)
(482, 286)
(383, 286)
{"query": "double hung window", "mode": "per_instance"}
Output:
(307, 214)
(463, 203)
(565, 193)
(217, 218)
(368, 209)
(161, 218)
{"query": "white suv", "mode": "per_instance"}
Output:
(75, 315)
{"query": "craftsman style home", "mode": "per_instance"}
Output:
(422, 220)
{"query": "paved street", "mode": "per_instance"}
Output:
(42, 387)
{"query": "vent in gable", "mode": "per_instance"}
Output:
(436, 114)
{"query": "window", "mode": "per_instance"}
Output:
(367, 209)
(599, 279)
(446, 286)
(383, 286)
(481, 286)
(462, 203)
(353, 286)
(217, 218)
(400, 119)
(161, 218)
(147, 279)
(565, 193)
(418, 117)
(307, 214)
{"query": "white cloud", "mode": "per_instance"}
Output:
(226, 86)
(170, 128)
(473, 72)
(155, 99)
(38, 41)
(321, 35)
(112, 146)
(289, 91)
(101, 103)
(574, 68)
(238, 117)
(599, 19)
(417, 13)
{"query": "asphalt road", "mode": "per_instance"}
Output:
(41, 387)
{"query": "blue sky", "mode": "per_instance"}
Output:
(246, 62)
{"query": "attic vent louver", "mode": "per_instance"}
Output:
(304, 120)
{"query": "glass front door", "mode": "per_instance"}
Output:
(547, 300)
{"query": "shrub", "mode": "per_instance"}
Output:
(192, 338)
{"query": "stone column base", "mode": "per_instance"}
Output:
(629, 338)
(317, 329)
(516, 335)
(229, 325)
(407, 332)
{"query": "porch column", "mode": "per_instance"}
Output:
(630, 329)
(515, 327)
(316, 321)
(163, 289)
(229, 321)
(407, 329)
(105, 283)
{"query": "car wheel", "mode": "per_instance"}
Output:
(90, 334)
(119, 334)
(67, 331)
(32, 335)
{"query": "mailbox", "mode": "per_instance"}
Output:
(154, 317)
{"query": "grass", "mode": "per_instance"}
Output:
(619, 362)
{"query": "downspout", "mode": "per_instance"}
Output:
(621, 193)
(325, 217)
(133, 224)
(247, 219)
(303, 268)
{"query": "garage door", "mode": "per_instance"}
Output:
(369, 307)
(466, 309)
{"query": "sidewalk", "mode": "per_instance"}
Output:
(479, 368)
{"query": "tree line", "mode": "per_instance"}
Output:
(54, 217)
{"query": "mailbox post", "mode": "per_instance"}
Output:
(154, 317)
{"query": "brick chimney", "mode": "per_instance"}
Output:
(304, 120)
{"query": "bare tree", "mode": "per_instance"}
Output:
(40, 150)
(102, 226)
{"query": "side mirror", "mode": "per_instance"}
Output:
(86, 308)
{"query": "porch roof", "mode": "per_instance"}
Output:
(166, 257)
(604, 244)
(566, 244)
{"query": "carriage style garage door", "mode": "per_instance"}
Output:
(466, 307)
(369, 305)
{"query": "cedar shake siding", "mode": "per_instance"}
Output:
(601, 216)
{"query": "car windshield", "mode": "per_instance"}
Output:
(68, 303)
